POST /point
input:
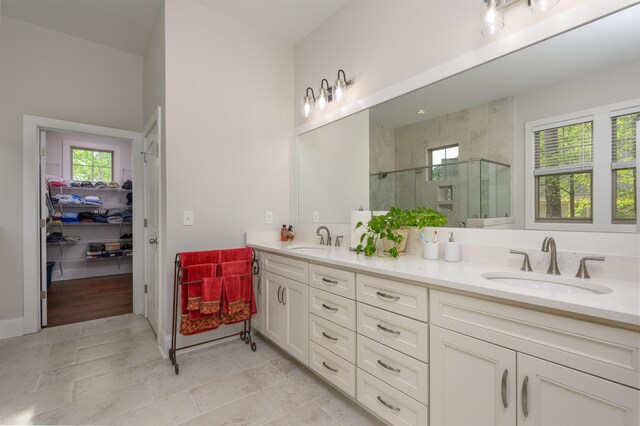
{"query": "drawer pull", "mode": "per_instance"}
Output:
(386, 404)
(395, 370)
(335, 370)
(328, 281)
(387, 296)
(525, 405)
(503, 389)
(279, 288)
(335, 339)
(330, 308)
(388, 330)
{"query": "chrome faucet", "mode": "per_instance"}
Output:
(550, 244)
(320, 228)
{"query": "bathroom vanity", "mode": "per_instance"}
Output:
(429, 342)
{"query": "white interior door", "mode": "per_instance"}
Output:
(151, 153)
(43, 228)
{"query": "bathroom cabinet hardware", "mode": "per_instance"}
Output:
(524, 396)
(388, 330)
(259, 288)
(549, 245)
(325, 335)
(284, 301)
(388, 367)
(388, 296)
(386, 404)
(526, 266)
(331, 308)
(328, 281)
(503, 389)
(338, 240)
(279, 299)
(153, 241)
(181, 286)
(582, 271)
(324, 364)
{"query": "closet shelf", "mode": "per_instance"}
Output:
(86, 259)
(106, 240)
(60, 189)
(91, 206)
(89, 224)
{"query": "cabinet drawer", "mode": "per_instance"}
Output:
(333, 337)
(286, 267)
(338, 309)
(602, 350)
(334, 369)
(406, 335)
(399, 370)
(402, 298)
(389, 403)
(336, 281)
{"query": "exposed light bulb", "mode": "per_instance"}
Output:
(322, 98)
(542, 5)
(307, 106)
(338, 89)
(492, 12)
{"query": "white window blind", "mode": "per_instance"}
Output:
(623, 140)
(565, 148)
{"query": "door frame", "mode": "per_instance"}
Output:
(31, 125)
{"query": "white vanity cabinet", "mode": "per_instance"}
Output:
(286, 308)
(478, 382)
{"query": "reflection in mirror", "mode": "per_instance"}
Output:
(452, 130)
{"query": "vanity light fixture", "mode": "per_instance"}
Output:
(492, 12)
(326, 93)
(306, 107)
(323, 94)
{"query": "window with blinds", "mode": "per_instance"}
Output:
(623, 165)
(563, 164)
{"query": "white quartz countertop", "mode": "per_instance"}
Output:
(621, 305)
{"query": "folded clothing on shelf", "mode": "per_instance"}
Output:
(127, 184)
(127, 215)
(72, 238)
(130, 198)
(114, 219)
(55, 181)
(114, 212)
(86, 184)
(100, 185)
(85, 217)
(99, 218)
(92, 199)
(67, 199)
(114, 185)
(70, 217)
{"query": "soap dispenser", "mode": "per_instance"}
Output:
(452, 250)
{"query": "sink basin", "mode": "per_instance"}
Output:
(549, 283)
(307, 247)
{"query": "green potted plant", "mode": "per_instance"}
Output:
(393, 229)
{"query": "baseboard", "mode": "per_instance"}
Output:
(11, 327)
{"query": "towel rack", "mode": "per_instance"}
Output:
(179, 285)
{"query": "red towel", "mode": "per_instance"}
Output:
(235, 268)
(236, 293)
(232, 255)
(194, 275)
(211, 296)
(199, 257)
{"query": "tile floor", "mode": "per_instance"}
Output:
(110, 371)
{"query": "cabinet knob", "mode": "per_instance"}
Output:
(153, 241)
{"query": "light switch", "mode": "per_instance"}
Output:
(316, 216)
(268, 217)
(187, 218)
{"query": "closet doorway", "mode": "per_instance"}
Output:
(75, 182)
(88, 201)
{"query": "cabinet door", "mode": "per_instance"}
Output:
(295, 300)
(472, 382)
(550, 394)
(272, 286)
(258, 291)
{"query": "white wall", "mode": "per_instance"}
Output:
(391, 47)
(50, 74)
(229, 116)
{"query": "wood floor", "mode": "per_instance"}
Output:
(85, 299)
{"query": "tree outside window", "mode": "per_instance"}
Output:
(563, 170)
(441, 159)
(623, 157)
(91, 165)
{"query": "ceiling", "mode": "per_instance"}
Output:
(128, 24)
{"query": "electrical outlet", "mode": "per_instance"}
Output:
(316, 216)
(268, 217)
(187, 218)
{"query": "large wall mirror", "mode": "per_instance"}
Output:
(462, 145)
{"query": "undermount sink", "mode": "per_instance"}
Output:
(551, 283)
(307, 247)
